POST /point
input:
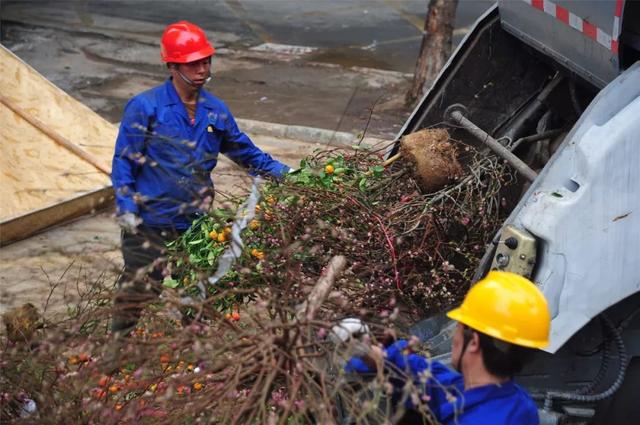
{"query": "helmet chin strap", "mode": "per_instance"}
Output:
(190, 82)
(467, 334)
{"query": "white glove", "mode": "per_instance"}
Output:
(355, 333)
(129, 222)
(348, 328)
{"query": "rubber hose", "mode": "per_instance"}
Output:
(591, 398)
(604, 366)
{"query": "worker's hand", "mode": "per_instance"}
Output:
(129, 222)
(365, 356)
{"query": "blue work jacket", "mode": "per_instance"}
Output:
(450, 403)
(163, 161)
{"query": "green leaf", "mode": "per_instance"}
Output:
(170, 282)
(377, 170)
(197, 241)
(363, 184)
(223, 214)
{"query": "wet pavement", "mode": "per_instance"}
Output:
(387, 31)
(103, 52)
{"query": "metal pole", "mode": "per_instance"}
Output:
(533, 108)
(458, 118)
(535, 138)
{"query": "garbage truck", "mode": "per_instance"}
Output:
(553, 88)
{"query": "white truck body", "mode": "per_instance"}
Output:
(584, 210)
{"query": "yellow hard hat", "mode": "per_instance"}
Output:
(507, 307)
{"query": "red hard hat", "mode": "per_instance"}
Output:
(184, 42)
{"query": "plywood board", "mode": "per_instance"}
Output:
(31, 223)
(55, 153)
(36, 95)
(36, 172)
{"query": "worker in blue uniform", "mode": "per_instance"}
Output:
(502, 319)
(168, 144)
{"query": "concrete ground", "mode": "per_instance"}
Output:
(103, 66)
(337, 65)
(323, 64)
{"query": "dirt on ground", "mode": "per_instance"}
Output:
(265, 85)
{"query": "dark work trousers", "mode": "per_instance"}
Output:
(144, 256)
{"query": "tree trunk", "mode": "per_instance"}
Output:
(435, 48)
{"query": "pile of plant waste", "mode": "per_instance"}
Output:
(346, 235)
(404, 247)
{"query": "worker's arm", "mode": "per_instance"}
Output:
(430, 378)
(397, 355)
(399, 358)
(239, 147)
(129, 155)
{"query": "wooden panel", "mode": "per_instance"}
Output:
(36, 172)
(29, 224)
(34, 94)
(54, 152)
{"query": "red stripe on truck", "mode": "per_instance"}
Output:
(562, 14)
(619, 8)
(589, 30)
(579, 24)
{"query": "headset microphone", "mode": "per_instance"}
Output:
(190, 82)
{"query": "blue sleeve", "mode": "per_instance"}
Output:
(398, 355)
(394, 355)
(129, 155)
(239, 148)
(531, 417)
(357, 365)
(432, 384)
